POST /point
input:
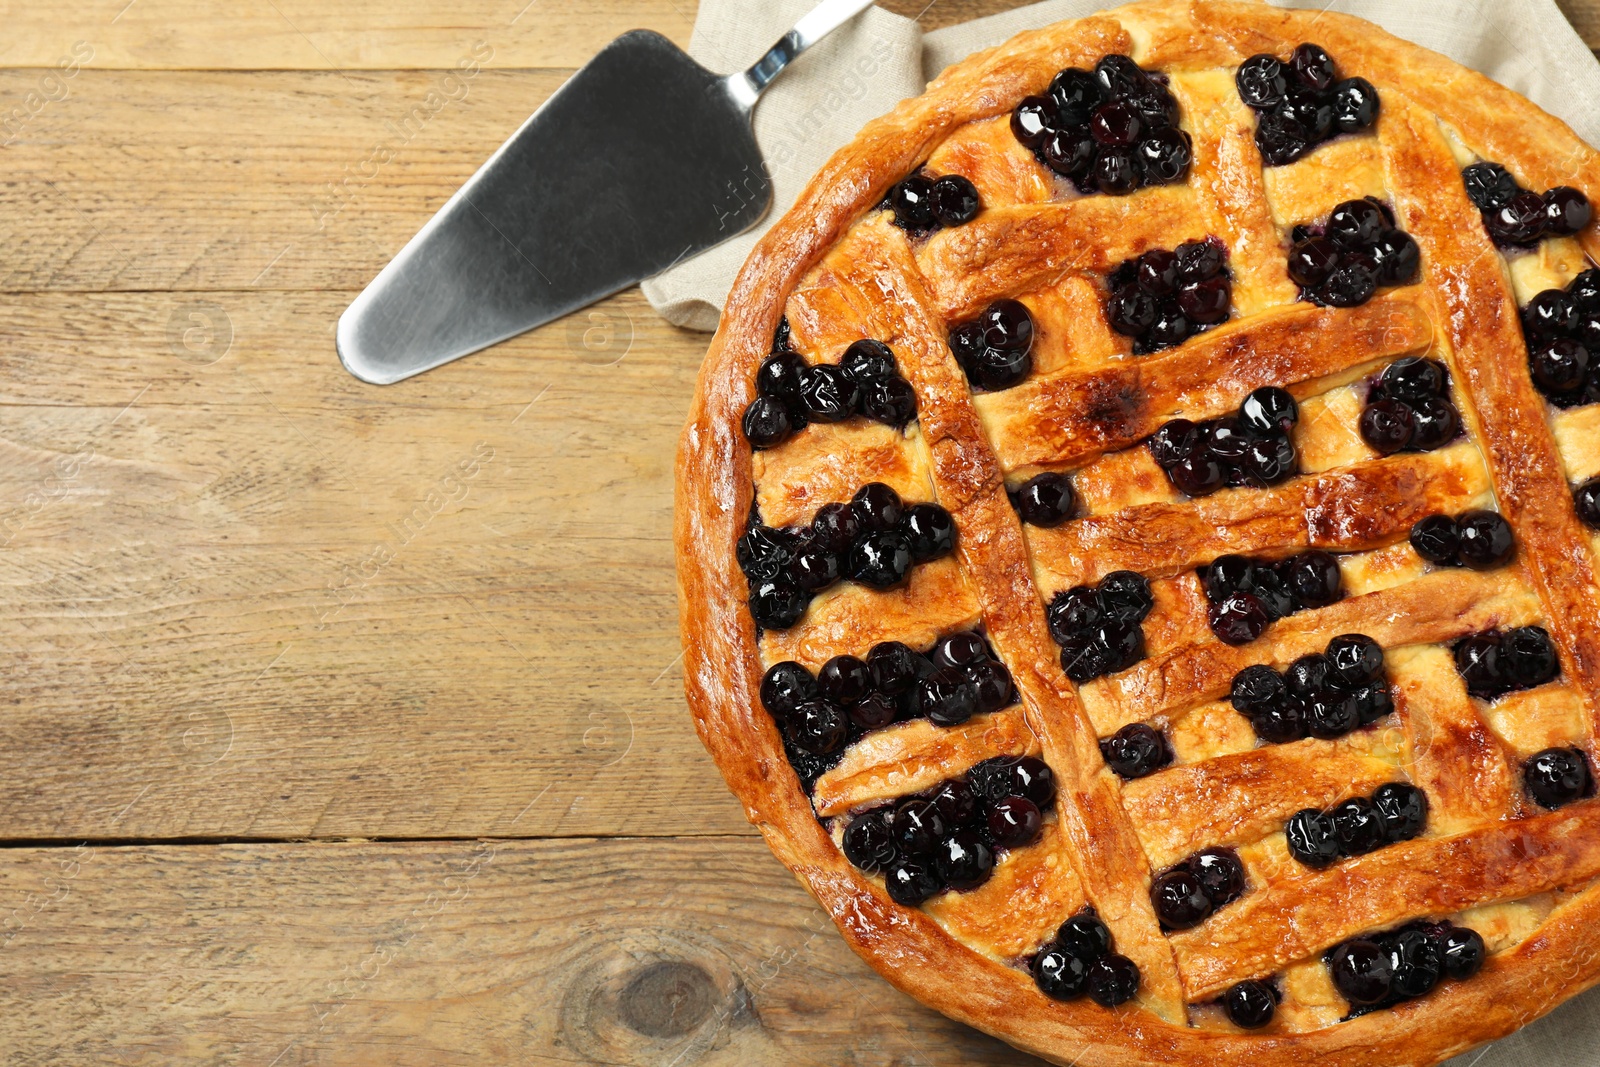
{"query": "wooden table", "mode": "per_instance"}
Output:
(345, 725)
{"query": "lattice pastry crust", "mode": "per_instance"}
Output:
(836, 269)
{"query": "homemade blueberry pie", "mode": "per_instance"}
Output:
(1137, 538)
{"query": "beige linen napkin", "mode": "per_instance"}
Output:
(865, 68)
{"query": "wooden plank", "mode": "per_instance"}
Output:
(667, 952)
(1585, 18)
(364, 34)
(258, 598)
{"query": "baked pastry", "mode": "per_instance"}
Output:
(1136, 535)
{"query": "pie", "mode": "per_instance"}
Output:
(1137, 538)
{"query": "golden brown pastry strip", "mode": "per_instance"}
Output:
(1351, 509)
(1096, 833)
(1240, 798)
(1070, 418)
(917, 755)
(1439, 606)
(1020, 906)
(1274, 924)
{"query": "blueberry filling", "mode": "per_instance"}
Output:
(1396, 812)
(1325, 695)
(1497, 662)
(1186, 894)
(1382, 970)
(1518, 218)
(791, 393)
(994, 350)
(1080, 960)
(1478, 539)
(1250, 1005)
(850, 697)
(1098, 627)
(1562, 328)
(1558, 776)
(1251, 447)
(1136, 751)
(1586, 501)
(874, 540)
(1409, 409)
(1111, 130)
(922, 204)
(1344, 262)
(1163, 297)
(945, 838)
(1303, 102)
(1246, 595)
(1045, 500)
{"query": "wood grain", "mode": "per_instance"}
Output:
(667, 952)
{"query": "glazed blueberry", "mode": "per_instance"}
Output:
(890, 401)
(1281, 723)
(1174, 442)
(1135, 751)
(1076, 93)
(867, 360)
(1256, 690)
(1434, 422)
(828, 394)
(1355, 224)
(1220, 873)
(1197, 475)
(1557, 777)
(1519, 223)
(1123, 643)
(912, 201)
(835, 527)
(1226, 439)
(1480, 660)
(1566, 211)
(1529, 656)
(1362, 971)
(917, 827)
(946, 697)
(1462, 953)
(929, 532)
(994, 779)
(1125, 596)
(1164, 156)
(1313, 838)
(873, 712)
(1388, 425)
(1116, 123)
(1359, 826)
(818, 727)
(1084, 936)
(813, 568)
(785, 687)
(1351, 284)
(1416, 961)
(1179, 900)
(877, 508)
(1489, 185)
(868, 842)
(1250, 1005)
(1402, 810)
(993, 685)
(767, 423)
(1119, 77)
(957, 803)
(1070, 153)
(1045, 500)
(1007, 325)
(1560, 367)
(1206, 303)
(1059, 975)
(1113, 980)
(1412, 378)
(1485, 540)
(1263, 81)
(1550, 314)
(1586, 500)
(910, 882)
(845, 679)
(1228, 574)
(1354, 660)
(959, 650)
(1312, 260)
(1313, 66)
(1270, 460)
(779, 377)
(1239, 618)
(1372, 702)
(1032, 119)
(1397, 256)
(1307, 676)
(1084, 659)
(1199, 261)
(1116, 171)
(1355, 105)
(963, 862)
(1330, 715)
(776, 605)
(1269, 410)
(1014, 822)
(765, 553)
(1281, 139)
(1074, 611)
(879, 560)
(1133, 312)
(1315, 579)
(954, 200)
(1032, 777)
(1311, 112)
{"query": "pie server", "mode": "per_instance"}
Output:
(641, 159)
